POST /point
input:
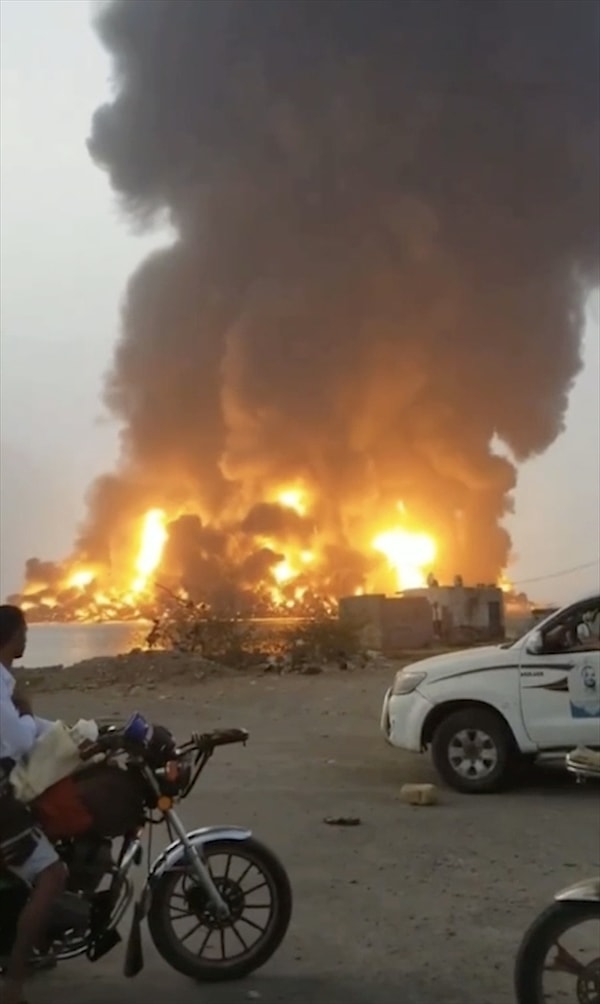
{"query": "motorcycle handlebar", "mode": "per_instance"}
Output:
(112, 740)
(206, 742)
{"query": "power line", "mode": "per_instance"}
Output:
(558, 575)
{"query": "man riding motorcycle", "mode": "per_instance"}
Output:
(24, 849)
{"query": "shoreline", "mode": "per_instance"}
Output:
(133, 669)
(154, 670)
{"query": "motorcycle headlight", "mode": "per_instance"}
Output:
(174, 776)
(407, 680)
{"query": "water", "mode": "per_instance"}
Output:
(65, 644)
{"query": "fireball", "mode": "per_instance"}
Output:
(80, 579)
(410, 555)
(283, 572)
(293, 498)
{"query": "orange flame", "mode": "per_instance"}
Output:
(153, 539)
(122, 588)
(409, 554)
(293, 498)
(80, 578)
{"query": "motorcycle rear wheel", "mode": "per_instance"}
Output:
(543, 934)
(267, 876)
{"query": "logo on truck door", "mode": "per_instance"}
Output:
(560, 686)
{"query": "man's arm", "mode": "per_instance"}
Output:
(43, 725)
(19, 732)
(22, 703)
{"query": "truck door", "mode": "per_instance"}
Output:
(560, 679)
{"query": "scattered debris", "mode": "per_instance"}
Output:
(135, 673)
(419, 794)
(342, 820)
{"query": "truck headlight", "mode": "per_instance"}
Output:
(406, 681)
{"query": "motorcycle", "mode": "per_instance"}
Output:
(546, 969)
(217, 884)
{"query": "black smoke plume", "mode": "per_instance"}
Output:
(387, 223)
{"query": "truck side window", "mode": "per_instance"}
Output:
(578, 631)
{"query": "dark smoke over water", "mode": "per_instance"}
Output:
(387, 218)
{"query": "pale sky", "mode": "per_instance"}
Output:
(65, 257)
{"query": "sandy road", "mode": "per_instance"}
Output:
(416, 906)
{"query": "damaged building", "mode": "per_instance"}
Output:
(418, 618)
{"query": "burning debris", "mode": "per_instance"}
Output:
(386, 226)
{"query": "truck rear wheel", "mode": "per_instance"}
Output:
(472, 751)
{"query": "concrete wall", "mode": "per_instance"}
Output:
(465, 613)
(389, 623)
(455, 615)
(364, 612)
(406, 623)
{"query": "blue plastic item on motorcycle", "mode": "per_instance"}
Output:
(137, 729)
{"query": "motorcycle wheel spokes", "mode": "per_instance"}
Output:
(249, 896)
(572, 966)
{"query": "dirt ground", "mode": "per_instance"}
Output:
(415, 906)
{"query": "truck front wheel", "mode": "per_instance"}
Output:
(472, 751)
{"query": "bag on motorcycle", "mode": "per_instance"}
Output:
(102, 800)
(54, 756)
(61, 813)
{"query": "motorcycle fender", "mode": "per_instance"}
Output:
(587, 891)
(175, 852)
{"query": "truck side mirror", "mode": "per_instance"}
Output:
(535, 643)
(584, 633)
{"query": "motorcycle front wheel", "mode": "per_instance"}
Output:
(552, 966)
(189, 936)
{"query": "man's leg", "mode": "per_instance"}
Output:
(48, 876)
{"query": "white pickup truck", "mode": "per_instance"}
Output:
(482, 710)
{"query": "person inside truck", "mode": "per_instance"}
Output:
(580, 633)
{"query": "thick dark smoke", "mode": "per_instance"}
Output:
(387, 218)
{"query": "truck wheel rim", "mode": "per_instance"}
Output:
(473, 754)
